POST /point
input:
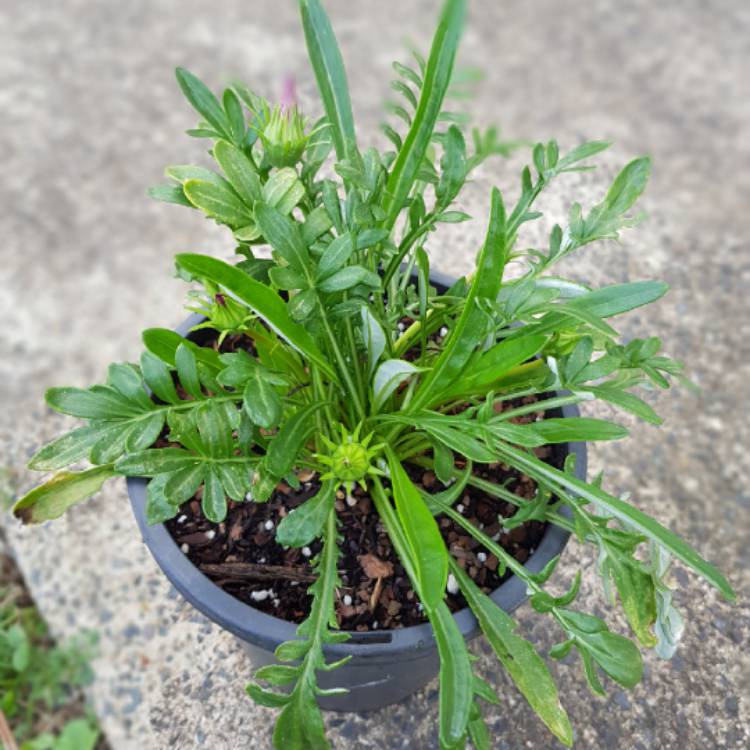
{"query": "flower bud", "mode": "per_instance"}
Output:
(284, 137)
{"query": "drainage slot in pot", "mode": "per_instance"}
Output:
(367, 638)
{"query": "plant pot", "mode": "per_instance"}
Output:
(385, 666)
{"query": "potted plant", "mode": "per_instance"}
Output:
(355, 464)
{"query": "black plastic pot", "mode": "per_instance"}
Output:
(386, 666)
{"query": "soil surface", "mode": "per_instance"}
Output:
(242, 557)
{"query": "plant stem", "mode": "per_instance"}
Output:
(406, 245)
(341, 361)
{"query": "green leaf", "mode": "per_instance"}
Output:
(216, 424)
(158, 508)
(183, 483)
(203, 101)
(98, 402)
(138, 434)
(65, 450)
(218, 203)
(615, 654)
(389, 376)
(285, 447)
(283, 191)
(524, 665)
(628, 185)
(63, 490)
(164, 344)
(470, 326)
(374, 338)
(184, 172)
(169, 194)
(636, 590)
(111, 443)
(478, 732)
(456, 439)
(335, 255)
(328, 66)
(77, 734)
(235, 115)
(348, 277)
(584, 151)
(127, 380)
(214, 501)
(154, 461)
(422, 536)
(159, 378)
(306, 522)
(627, 401)
(564, 430)
(456, 682)
(453, 166)
(317, 223)
(494, 364)
(437, 78)
(302, 305)
(240, 171)
(187, 371)
(235, 479)
(261, 401)
(262, 300)
(621, 510)
(284, 236)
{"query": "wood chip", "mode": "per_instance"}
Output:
(374, 567)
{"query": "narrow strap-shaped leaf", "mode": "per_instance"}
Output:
(98, 402)
(621, 510)
(262, 300)
(205, 103)
(65, 450)
(469, 327)
(426, 546)
(214, 501)
(284, 236)
(326, 61)
(159, 378)
(218, 202)
(581, 429)
(66, 488)
(494, 363)
(164, 343)
(436, 81)
(239, 170)
(187, 371)
(154, 461)
(456, 683)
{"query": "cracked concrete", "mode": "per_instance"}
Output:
(91, 114)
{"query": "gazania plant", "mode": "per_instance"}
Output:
(328, 358)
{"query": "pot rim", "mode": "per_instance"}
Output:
(267, 631)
